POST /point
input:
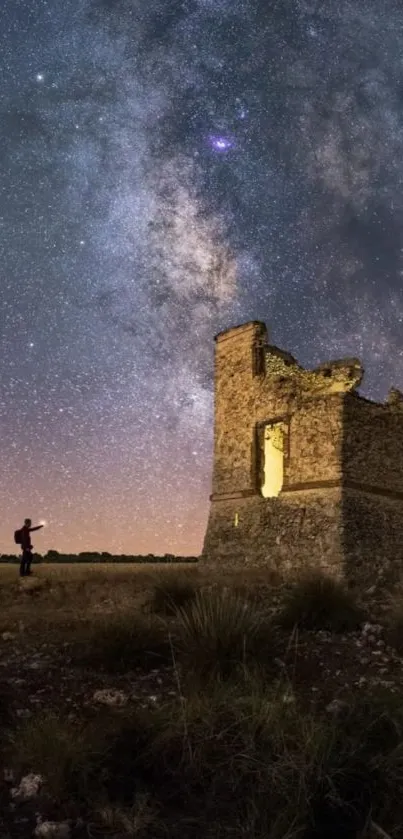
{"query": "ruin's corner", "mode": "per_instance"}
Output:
(307, 473)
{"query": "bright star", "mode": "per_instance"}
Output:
(40, 77)
(221, 143)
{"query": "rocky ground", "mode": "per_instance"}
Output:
(40, 673)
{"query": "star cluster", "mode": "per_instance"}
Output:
(171, 168)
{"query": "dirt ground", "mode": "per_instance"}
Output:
(45, 618)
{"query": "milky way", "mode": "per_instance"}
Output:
(169, 169)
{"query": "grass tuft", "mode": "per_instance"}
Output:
(320, 602)
(172, 592)
(395, 624)
(63, 752)
(220, 633)
(122, 642)
(124, 822)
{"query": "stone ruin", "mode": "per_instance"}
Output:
(307, 472)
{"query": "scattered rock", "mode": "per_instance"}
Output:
(28, 788)
(337, 707)
(109, 696)
(23, 713)
(52, 830)
(8, 636)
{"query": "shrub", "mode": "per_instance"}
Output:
(319, 602)
(228, 760)
(122, 822)
(249, 758)
(395, 624)
(123, 642)
(172, 592)
(241, 759)
(64, 753)
(220, 633)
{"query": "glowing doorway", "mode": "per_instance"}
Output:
(273, 454)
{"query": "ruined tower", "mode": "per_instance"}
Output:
(306, 471)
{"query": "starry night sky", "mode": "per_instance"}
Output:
(169, 169)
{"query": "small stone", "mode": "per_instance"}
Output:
(28, 788)
(52, 830)
(111, 697)
(8, 636)
(23, 713)
(337, 707)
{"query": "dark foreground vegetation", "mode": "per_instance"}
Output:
(175, 705)
(85, 557)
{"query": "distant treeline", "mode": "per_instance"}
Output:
(99, 558)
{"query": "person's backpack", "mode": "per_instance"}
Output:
(18, 537)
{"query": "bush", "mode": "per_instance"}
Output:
(247, 757)
(64, 753)
(395, 624)
(229, 761)
(220, 633)
(172, 592)
(121, 822)
(241, 759)
(320, 602)
(123, 642)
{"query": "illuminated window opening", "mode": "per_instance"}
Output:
(273, 460)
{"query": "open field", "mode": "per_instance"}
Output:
(156, 701)
(79, 570)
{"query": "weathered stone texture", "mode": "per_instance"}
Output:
(373, 444)
(339, 506)
(282, 534)
(372, 543)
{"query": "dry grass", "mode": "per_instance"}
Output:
(64, 594)
(238, 759)
(78, 570)
(122, 642)
(220, 633)
(319, 602)
(62, 752)
(236, 753)
(173, 591)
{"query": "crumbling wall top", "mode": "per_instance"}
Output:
(339, 376)
(277, 367)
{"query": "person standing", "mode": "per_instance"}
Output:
(26, 547)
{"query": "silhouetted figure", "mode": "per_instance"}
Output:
(26, 547)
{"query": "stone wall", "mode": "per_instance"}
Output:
(316, 440)
(249, 393)
(234, 461)
(297, 530)
(372, 538)
(373, 444)
(339, 507)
